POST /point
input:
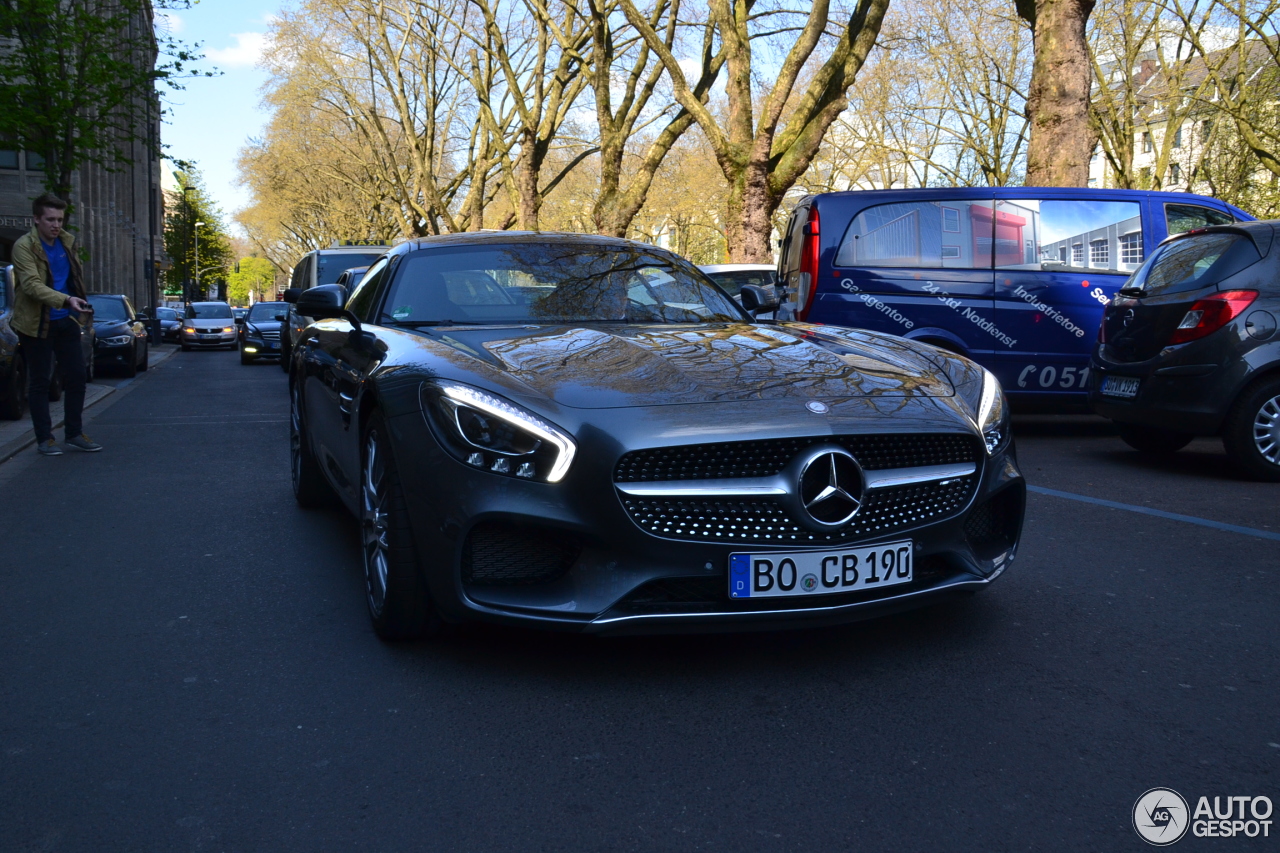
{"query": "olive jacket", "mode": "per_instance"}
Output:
(33, 287)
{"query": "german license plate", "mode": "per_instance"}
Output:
(209, 337)
(773, 575)
(1120, 386)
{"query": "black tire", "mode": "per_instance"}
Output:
(395, 590)
(146, 356)
(1147, 439)
(310, 489)
(13, 403)
(1252, 432)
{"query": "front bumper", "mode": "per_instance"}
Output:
(207, 339)
(105, 355)
(622, 579)
(261, 347)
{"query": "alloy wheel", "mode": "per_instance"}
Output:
(374, 522)
(295, 439)
(1266, 430)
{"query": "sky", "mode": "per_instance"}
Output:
(211, 119)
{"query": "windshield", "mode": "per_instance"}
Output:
(210, 311)
(550, 283)
(166, 314)
(1192, 263)
(267, 310)
(106, 308)
(330, 266)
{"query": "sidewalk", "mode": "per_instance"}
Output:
(16, 436)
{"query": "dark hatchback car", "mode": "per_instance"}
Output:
(121, 334)
(1189, 347)
(584, 433)
(170, 324)
(260, 332)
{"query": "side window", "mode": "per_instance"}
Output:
(365, 296)
(1185, 217)
(1048, 234)
(128, 309)
(951, 235)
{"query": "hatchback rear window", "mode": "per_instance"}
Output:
(1193, 263)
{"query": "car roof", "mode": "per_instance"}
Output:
(106, 296)
(482, 238)
(736, 267)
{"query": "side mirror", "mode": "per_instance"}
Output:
(281, 317)
(323, 302)
(757, 299)
(291, 294)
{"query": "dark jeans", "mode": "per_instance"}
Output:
(63, 341)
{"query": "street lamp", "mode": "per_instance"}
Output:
(186, 276)
(195, 232)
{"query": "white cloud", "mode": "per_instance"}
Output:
(246, 52)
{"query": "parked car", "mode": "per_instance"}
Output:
(323, 266)
(1015, 278)
(170, 324)
(259, 335)
(121, 334)
(208, 324)
(580, 433)
(1189, 347)
(351, 277)
(238, 314)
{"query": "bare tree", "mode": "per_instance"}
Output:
(762, 157)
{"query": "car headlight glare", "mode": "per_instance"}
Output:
(993, 413)
(488, 432)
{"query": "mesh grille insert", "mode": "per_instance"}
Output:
(501, 554)
(766, 457)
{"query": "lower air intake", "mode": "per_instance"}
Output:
(498, 553)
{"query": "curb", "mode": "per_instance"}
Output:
(14, 446)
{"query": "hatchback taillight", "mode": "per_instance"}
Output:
(807, 283)
(1208, 315)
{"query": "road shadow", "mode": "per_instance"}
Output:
(1062, 426)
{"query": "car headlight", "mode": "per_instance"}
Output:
(191, 329)
(228, 329)
(116, 340)
(993, 413)
(486, 431)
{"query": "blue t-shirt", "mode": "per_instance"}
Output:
(60, 271)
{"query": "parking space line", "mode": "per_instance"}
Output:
(1159, 513)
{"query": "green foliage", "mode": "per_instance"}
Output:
(183, 239)
(255, 276)
(77, 81)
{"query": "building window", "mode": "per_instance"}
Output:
(1077, 254)
(950, 252)
(1099, 252)
(1175, 174)
(1146, 142)
(35, 162)
(8, 159)
(951, 221)
(1131, 248)
(1177, 137)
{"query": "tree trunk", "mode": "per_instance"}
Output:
(1062, 139)
(749, 223)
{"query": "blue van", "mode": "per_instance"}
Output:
(1014, 277)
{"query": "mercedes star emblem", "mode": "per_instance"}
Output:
(831, 488)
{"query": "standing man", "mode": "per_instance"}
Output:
(47, 304)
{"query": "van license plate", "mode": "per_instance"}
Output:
(770, 575)
(1120, 386)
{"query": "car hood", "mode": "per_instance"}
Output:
(211, 324)
(611, 366)
(107, 327)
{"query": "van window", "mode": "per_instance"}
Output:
(1185, 217)
(948, 235)
(1044, 234)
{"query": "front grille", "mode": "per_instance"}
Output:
(763, 458)
(691, 594)
(501, 554)
(764, 521)
(270, 335)
(992, 527)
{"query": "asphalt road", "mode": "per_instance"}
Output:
(186, 664)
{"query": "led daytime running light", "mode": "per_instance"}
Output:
(991, 412)
(504, 411)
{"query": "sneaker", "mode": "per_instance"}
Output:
(48, 448)
(84, 443)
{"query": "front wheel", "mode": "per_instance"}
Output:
(399, 605)
(1252, 433)
(1153, 439)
